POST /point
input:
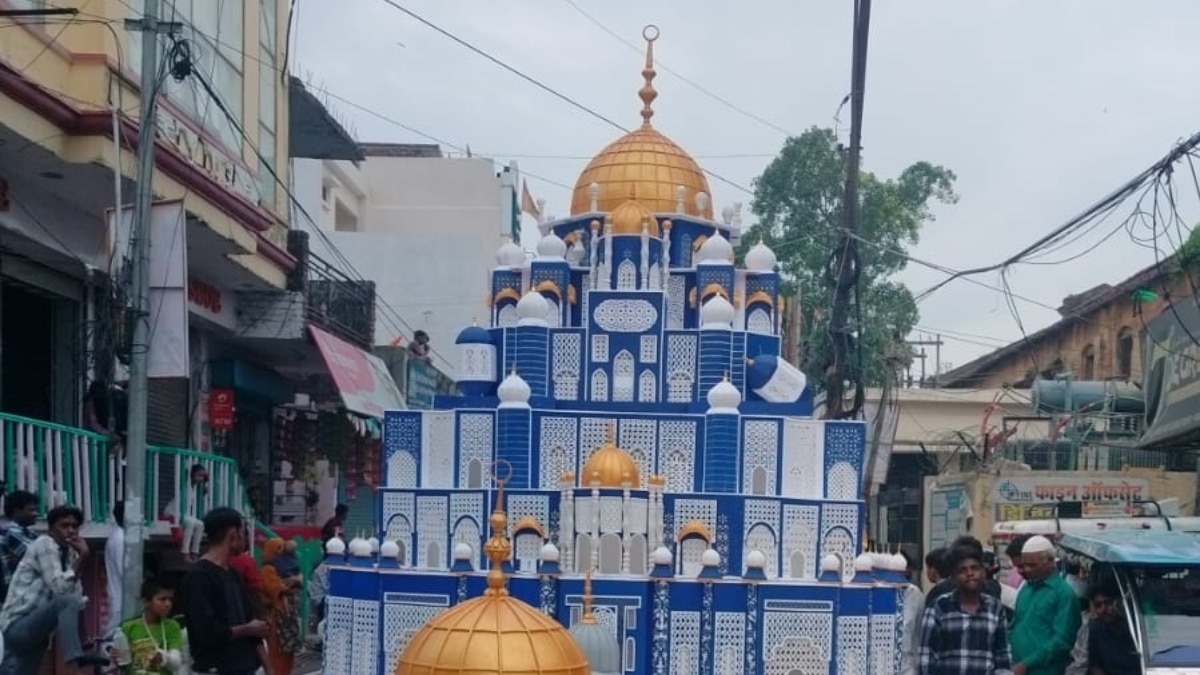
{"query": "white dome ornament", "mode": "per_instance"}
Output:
(756, 563)
(374, 544)
(389, 549)
(760, 258)
(514, 391)
(335, 548)
(510, 255)
(716, 250)
(551, 247)
(724, 398)
(710, 562)
(533, 310)
(864, 569)
(717, 314)
(663, 562)
(831, 568)
(548, 560)
(462, 554)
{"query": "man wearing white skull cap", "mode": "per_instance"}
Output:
(1047, 617)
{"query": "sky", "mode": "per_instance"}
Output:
(1040, 108)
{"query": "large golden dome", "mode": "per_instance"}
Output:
(611, 466)
(643, 164)
(494, 634)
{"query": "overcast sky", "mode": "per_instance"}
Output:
(1041, 108)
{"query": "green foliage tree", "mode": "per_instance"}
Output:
(798, 204)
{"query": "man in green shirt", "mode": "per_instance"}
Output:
(1046, 619)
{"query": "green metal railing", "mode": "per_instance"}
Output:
(66, 465)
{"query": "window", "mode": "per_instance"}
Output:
(1169, 599)
(268, 93)
(1088, 365)
(214, 29)
(1125, 353)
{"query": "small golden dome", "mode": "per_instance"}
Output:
(611, 466)
(642, 161)
(629, 217)
(493, 633)
(529, 524)
(696, 528)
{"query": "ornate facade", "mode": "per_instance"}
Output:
(629, 385)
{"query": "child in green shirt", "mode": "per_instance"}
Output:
(152, 643)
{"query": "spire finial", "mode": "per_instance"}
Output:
(588, 617)
(513, 371)
(647, 93)
(498, 548)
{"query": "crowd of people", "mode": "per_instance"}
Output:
(229, 615)
(1045, 623)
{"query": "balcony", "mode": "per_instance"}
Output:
(65, 465)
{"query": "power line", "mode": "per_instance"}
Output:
(537, 83)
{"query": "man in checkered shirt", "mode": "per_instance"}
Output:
(964, 632)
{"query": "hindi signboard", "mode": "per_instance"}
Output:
(1034, 498)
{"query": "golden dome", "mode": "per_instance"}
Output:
(628, 218)
(642, 162)
(494, 633)
(611, 466)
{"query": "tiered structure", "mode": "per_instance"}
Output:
(630, 379)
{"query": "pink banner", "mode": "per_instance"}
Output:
(366, 386)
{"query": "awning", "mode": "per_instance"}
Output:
(362, 379)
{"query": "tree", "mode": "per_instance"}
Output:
(798, 203)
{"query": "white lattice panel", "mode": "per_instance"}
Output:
(840, 542)
(466, 505)
(884, 644)
(852, 645)
(655, 277)
(365, 637)
(474, 443)
(676, 297)
(400, 623)
(685, 643)
(801, 523)
(647, 387)
(729, 643)
(638, 516)
(339, 634)
(843, 482)
(611, 511)
(648, 348)
(626, 277)
(761, 538)
(584, 508)
(764, 511)
(565, 359)
(623, 380)
(599, 387)
(681, 367)
(677, 454)
(600, 348)
(467, 531)
(437, 450)
(625, 315)
(759, 450)
(402, 470)
(507, 316)
(398, 503)
(760, 322)
(522, 506)
(797, 641)
(703, 510)
(640, 435)
(803, 459)
(840, 515)
(559, 437)
(432, 529)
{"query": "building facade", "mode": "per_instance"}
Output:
(1099, 336)
(399, 215)
(626, 392)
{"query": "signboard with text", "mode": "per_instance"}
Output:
(949, 509)
(220, 409)
(1035, 498)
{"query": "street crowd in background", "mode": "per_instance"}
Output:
(229, 615)
(1047, 621)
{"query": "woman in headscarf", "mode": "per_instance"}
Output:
(282, 610)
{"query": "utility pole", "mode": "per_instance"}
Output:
(936, 343)
(135, 445)
(845, 264)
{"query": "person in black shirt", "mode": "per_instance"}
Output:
(333, 526)
(223, 636)
(946, 584)
(1110, 645)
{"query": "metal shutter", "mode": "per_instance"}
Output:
(167, 425)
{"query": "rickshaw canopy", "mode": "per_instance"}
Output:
(1135, 547)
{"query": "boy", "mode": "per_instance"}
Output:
(963, 632)
(151, 644)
